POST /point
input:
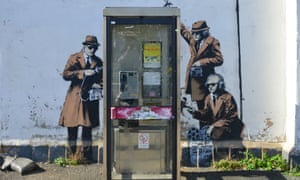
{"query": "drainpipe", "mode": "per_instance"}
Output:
(239, 58)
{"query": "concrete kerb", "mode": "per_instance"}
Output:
(44, 150)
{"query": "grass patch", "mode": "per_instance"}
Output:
(269, 163)
(66, 161)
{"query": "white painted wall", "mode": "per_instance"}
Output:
(37, 38)
(263, 34)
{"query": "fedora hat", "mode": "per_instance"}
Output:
(199, 26)
(91, 40)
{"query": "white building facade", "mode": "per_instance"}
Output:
(258, 41)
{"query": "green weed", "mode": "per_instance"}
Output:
(65, 161)
(250, 162)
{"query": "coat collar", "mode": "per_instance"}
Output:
(206, 42)
(216, 107)
(82, 60)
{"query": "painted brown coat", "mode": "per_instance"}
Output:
(77, 112)
(209, 55)
(224, 108)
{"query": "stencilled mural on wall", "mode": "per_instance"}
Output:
(209, 112)
(40, 100)
(81, 107)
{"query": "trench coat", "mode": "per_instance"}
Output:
(209, 55)
(224, 108)
(76, 111)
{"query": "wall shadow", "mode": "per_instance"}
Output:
(271, 175)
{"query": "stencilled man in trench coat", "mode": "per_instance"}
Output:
(220, 111)
(205, 54)
(83, 70)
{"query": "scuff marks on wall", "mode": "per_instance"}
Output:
(4, 123)
(265, 133)
(4, 118)
(268, 123)
(33, 112)
(38, 113)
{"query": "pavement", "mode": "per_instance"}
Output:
(46, 171)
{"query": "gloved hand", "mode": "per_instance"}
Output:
(96, 86)
(197, 63)
(98, 69)
(221, 123)
(89, 72)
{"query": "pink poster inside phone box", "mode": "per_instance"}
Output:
(141, 113)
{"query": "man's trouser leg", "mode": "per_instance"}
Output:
(72, 139)
(87, 143)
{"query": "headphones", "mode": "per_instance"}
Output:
(221, 82)
(204, 33)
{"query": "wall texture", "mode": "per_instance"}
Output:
(37, 38)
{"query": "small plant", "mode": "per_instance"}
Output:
(60, 161)
(251, 162)
(65, 161)
(276, 163)
(227, 165)
(295, 171)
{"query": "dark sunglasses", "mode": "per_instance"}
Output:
(211, 84)
(92, 47)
